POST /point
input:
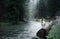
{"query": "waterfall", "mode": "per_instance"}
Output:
(31, 9)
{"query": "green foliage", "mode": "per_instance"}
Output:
(55, 32)
(12, 10)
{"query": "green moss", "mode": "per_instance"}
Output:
(54, 32)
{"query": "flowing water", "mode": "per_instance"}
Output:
(21, 31)
(31, 8)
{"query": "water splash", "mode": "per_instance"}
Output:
(31, 9)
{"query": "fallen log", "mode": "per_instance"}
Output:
(42, 33)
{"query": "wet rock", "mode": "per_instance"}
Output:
(42, 33)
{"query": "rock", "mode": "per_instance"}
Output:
(42, 33)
